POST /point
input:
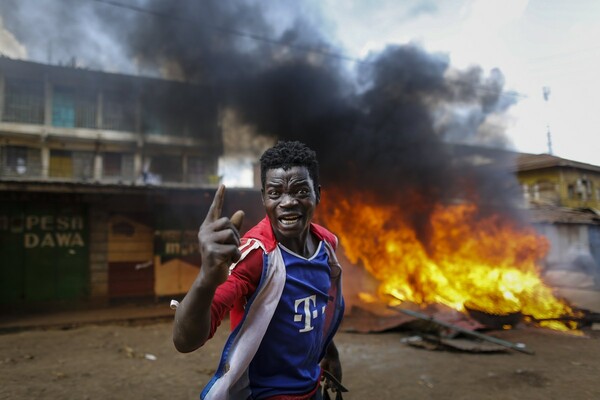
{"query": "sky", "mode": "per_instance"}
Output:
(535, 43)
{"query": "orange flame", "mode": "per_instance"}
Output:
(484, 263)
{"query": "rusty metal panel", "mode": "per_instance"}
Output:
(177, 257)
(130, 257)
(176, 252)
(130, 279)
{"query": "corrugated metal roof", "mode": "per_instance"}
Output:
(68, 186)
(527, 162)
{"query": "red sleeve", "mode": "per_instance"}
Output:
(239, 286)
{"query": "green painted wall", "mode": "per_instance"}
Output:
(45, 252)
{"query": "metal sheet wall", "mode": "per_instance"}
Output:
(594, 233)
(44, 250)
(98, 248)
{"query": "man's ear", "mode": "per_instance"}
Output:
(262, 195)
(318, 194)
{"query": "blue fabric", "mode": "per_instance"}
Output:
(288, 358)
(221, 368)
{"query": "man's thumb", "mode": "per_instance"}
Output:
(237, 218)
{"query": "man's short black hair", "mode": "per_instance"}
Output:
(287, 154)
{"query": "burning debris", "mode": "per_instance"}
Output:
(454, 329)
(470, 263)
(437, 327)
(434, 328)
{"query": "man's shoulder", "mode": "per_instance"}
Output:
(250, 263)
(263, 234)
(324, 234)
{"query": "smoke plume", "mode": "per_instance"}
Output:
(392, 132)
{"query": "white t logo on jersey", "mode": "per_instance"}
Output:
(307, 313)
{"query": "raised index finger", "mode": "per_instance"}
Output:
(214, 212)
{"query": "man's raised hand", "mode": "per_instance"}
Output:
(219, 238)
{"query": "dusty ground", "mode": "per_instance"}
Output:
(139, 362)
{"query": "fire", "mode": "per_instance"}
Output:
(483, 263)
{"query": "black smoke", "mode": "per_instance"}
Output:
(396, 128)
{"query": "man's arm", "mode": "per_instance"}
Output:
(191, 328)
(219, 239)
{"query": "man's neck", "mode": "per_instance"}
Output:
(304, 245)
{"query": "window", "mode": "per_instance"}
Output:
(200, 169)
(581, 190)
(71, 164)
(585, 187)
(546, 191)
(23, 101)
(162, 119)
(111, 165)
(14, 160)
(166, 168)
(83, 165)
(73, 108)
(20, 161)
(571, 191)
(117, 166)
(61, 164)
(118, 112)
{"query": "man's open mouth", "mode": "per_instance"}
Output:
(289, 220)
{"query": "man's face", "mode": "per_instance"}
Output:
(290, 198)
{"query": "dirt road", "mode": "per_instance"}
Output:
(139, 362)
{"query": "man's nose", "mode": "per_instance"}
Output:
(288, 200)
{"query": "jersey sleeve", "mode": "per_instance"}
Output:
(323, 234)
(232, 294)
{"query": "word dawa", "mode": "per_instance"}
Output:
(47, 230)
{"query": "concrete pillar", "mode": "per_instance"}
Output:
(138, 160)
(98, 163)
(99, 110)
(45, 160)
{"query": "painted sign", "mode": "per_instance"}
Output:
(46, 251)
(45, 230)
(170, 244)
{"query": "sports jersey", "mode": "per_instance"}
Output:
(294, 306)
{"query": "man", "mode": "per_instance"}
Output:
(281, 284)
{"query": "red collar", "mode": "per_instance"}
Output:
(264, 233)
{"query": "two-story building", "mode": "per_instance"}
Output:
(104, 180)
(71, 124)
(564, 203)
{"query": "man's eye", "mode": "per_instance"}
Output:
(303, 192)
(273, 193)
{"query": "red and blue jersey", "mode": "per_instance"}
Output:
(286, 360)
